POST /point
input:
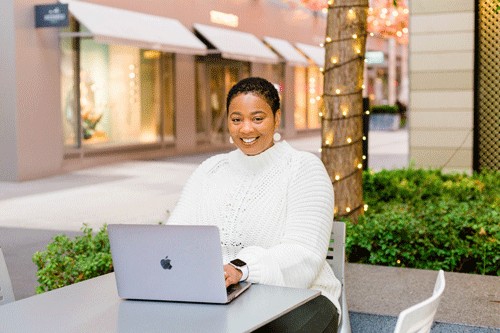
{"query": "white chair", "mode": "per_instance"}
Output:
(6, 292)
(419, 317)
(336, 259)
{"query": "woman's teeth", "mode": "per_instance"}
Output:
(248, 140)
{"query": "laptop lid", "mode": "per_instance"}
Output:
(168, 262)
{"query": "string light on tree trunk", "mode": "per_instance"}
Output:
(341, 117)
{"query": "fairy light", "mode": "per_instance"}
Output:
(351, 14)
(388, 20)
(360, 165)
(348, 209)
(365, 207)
(337, 91)
(349, 140)
(337, 177)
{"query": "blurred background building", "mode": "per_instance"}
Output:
(125, 80)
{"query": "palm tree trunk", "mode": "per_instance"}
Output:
(342, 116)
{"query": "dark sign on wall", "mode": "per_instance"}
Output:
(54, 15)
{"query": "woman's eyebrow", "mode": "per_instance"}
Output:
(256, 112)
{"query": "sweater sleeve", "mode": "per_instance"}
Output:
(300, 255)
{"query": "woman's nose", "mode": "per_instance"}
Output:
(246, 127)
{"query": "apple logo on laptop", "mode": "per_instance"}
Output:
(165, 263)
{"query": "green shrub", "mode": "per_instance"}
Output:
(67, 261)
(430, 220)
(377, 109)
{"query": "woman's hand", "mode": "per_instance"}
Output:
(232, 275)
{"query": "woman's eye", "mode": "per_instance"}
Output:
(258, 119)
(235, 120)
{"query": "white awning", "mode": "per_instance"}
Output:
(315, 53)
(237, 45)
(287, 51)
(118, 26)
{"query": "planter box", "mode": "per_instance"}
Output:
(385, 121)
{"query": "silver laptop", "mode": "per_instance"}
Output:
(170, 263)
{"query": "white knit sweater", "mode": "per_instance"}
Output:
(274, 211)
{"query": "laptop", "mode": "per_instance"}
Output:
(170, 263)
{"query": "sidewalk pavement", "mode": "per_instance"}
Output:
(32, 212)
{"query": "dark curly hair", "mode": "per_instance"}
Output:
(256, 86)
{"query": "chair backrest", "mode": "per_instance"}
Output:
(336, 250)
(419, 317)
(336, 259)
(6, 292)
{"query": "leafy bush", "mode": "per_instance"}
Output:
(430, 220)
(67, 261)
(377, 109)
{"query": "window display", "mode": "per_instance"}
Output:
(124, 96)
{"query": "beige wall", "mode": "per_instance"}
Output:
(8, 119)
(441, 84)
(31, 130)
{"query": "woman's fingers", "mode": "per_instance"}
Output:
(232, 275)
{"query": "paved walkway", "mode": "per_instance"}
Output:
(32, 212)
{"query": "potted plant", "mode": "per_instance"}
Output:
(385, 118)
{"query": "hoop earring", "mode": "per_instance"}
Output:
(276, 136)
(231, 141)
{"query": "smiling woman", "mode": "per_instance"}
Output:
(273, 206)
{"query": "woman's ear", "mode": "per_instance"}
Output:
(277, 119)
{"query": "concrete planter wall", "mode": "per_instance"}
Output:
(385, 121)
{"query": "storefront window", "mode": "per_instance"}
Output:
(68, 107)
(300, 89)
(125, 94)
(308, 92)
(314, 93)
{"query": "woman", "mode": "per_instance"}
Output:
(273, 206)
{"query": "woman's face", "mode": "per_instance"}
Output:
(251, 123)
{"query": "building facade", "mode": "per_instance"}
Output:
(127, 80)
(442, 84)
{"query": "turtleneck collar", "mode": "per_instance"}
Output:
(260, 161)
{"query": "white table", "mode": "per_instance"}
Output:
(94, 306)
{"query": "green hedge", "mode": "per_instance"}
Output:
(430, 220)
